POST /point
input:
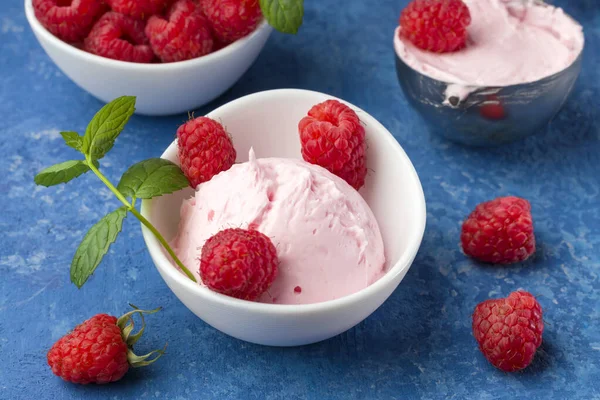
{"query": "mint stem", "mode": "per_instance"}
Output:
(107, 183)
(162, 241)
(131, 208)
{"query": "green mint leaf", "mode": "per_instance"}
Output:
(106, 126)
(95, 245)
(151, 178)
(73, 140)
(283, 15)
(61, 173)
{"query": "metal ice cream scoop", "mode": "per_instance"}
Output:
(485, 116)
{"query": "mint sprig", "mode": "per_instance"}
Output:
(144, 180)
(284, 15)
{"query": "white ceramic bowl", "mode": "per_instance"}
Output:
(268, 121)
(161, 89)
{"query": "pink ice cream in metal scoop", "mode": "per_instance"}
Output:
(510, 42)
(327, 239)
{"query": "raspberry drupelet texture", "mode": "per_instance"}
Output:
(182, 35)
(69, 20)
(332, 136)
(436, 25)
(239, 263)
(509, 331)
(93, 352)
(100, 350)
(205, 149)
(119, 37)
(232, 19)
(499, 231)
(140, 9)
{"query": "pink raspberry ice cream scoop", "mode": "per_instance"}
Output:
(509, 42)
(327, 239)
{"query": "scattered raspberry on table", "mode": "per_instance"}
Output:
(119, 37)
(499, 231)
(232, 19)
(438, 26)
(332, 136)
(239, 263)
(182, 34)
(509, 330)
(70, 21)
(205, 149)
(99, 350)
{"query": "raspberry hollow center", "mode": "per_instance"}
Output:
(64, 3)
(128, 38)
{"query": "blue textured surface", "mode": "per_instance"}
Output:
(417, 345)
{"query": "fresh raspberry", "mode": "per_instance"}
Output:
(140, 9)
(436, 25)
(99, 350)
(332, 137)
(492, 109)
(232, 19)
(499, 231)
(509, 331)
(119, 37)
(69, 20)
(184, 35)
(239, 263)
(205, 149)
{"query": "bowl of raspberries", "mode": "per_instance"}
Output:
(173, 55)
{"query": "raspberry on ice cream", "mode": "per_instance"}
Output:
(499, 231)
(70, 21)
(509, 42)
(204, 149)
(509, 331)
(239, 262)
(327, 239)
(119, 37)
(332, 136)
(436, 25)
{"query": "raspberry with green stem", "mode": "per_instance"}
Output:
(100, 350)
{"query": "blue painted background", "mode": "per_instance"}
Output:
(418, 345)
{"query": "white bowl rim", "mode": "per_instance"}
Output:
(406, 259)
(158, 67)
